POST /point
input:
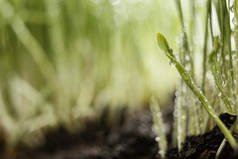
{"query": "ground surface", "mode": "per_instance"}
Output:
(205, 146)
(131, 139)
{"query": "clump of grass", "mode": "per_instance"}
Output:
(65, 62)
(198, 93)
(215, 87)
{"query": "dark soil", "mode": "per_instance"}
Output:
(131, 139)
(206, 145)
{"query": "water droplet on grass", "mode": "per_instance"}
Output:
(232, 8)
(234, 21)
(209, 75)
(219, 94)
(227, 57)
(187, 58)
(157, 139)
(172, 63)
(233, 55)
(161, 152)
(224, 83)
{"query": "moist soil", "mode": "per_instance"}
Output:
(132, 138)
(205, 146)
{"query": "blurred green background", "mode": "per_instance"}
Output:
(64, 62)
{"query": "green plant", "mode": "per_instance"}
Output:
(158, 126)
(62, 62)
(198, 93)
(214, 88)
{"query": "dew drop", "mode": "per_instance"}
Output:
(187, 58)
(224, 83)
(227, 57)
(233, 55)
(220, 39)
(157, 139)
(219, 94)
(172, 63)
(232, 8)
(209, 75)
(234, 21)
(161, 153)
(210, 107)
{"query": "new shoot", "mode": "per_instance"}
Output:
(164, 47)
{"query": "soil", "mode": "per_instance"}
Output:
(131, 139)
(205, 146)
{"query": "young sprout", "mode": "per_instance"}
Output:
(162, 43)
(164, 46)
